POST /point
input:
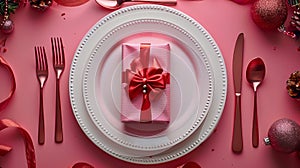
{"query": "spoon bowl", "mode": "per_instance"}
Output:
(255, 74)
(190, 165)
(116, 4)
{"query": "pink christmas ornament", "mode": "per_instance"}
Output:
(7, 26)
(269, 14)
(284, 136)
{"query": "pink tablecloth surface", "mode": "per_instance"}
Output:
(222, 18)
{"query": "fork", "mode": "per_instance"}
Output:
(42, 75)
(59, 66)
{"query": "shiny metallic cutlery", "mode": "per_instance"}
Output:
(42, 76)
(255, 74)
(237, 67)
(59, 65)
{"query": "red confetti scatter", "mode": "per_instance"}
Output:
(2, 44)
(3, 41)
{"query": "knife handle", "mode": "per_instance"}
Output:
(237, 139)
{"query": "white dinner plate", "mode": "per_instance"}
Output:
(185, 29)
(191, 82)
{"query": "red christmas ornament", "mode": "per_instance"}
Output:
(284, 136)
(269, 14)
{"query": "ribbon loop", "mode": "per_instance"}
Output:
(30, 154)
(13, 85)
(6, 123)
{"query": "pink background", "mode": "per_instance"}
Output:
(222, 18)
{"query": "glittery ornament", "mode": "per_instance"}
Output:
(7, 26)
(242, 1)
(7, 7)
(269, 14)
(284, 136)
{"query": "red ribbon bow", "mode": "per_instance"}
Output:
(142, 79)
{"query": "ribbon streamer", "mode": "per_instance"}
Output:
(30, 154)
(6, 123)
(13, 88)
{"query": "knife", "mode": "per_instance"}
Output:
(237, 67)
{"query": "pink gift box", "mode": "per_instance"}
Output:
(145, 96)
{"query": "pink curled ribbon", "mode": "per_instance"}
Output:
(144, 79)
(13, 85)
(6, 123)
(30, 154)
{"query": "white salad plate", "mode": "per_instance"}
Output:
(198, 78)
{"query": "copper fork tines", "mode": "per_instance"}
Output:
(59, 65)
(42, 75)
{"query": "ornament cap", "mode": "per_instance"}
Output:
(267, 141)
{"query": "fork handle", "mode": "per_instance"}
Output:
(41, 130)
(58, 118)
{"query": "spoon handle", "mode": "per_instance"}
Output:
(166, 2)
(237, 139)
(255, 123)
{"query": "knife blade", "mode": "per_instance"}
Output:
(237, 67)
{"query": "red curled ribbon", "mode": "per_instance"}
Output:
(142, 79)
(6, 123)
(30, 155)
(13, 88)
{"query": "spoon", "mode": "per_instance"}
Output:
(115, 4)
(255, 74)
